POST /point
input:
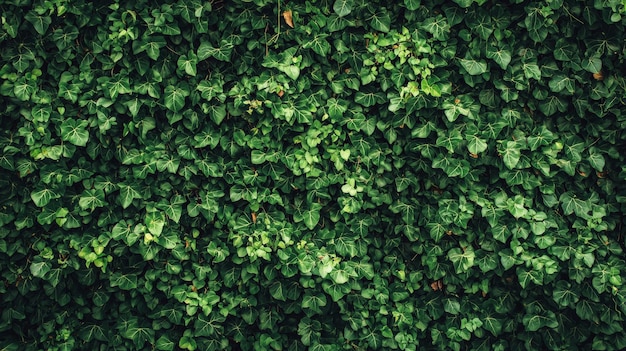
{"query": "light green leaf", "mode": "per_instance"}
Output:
(40, 268)
(124, 281)
(75, 131)
(475, 144)
(42, 197)
(319, 45)
(531, 70)
(222, 53)
(473, 67)
(342, 7)
(510, 153)
(90, 199)
(155, 221)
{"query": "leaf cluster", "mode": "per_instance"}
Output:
(320, 175)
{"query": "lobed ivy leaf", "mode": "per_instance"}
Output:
(74, 131)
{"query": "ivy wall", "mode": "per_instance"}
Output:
(312, 175)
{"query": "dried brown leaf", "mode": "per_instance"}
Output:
(288, 16)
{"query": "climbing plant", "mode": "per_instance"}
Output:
(319, 175)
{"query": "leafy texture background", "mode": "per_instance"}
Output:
(320, 175)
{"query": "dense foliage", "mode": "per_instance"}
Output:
(321, 175)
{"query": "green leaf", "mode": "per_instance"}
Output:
(42, 197)
(592, 64)
(475, 144)
(570, 203)
(564, 295)
(473, 67)
(501, 57)
(188, 64)
(41, 23)
(40, 268)
(462, 260)
(123, 281)
(531, 70)
(510, 153)
(312, 216)
(314, 302)
(437, 26)
(596, 160)
(155, 221)
(534, 322)
(412, 5)
(75, 131)
(175, 97)
(127, 194)
(343, 7)
(319, 45)
(222, 53)
(164, 343)
(381, 21)
(90, 199)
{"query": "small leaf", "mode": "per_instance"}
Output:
(288, 17)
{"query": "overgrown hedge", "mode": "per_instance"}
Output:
(319, 175)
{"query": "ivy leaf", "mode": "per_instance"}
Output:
(42, 197)
(124, 281)
(39, 22)
(222, 53)
(412, 5)
(175, 97)
(473, 67)
(314, 302)
(437, 26)
(40, 268)
(381, 21)
(531, 70)
(475, 144)
(501, 57)
(164, 343)
(570, 203)
(319, 45)
(155, 221)
(510, 153)
(596, 160)
(187, 64)
(127, 194)
(592, 64)
(534, 322)
(343, 7)
(75, 131)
